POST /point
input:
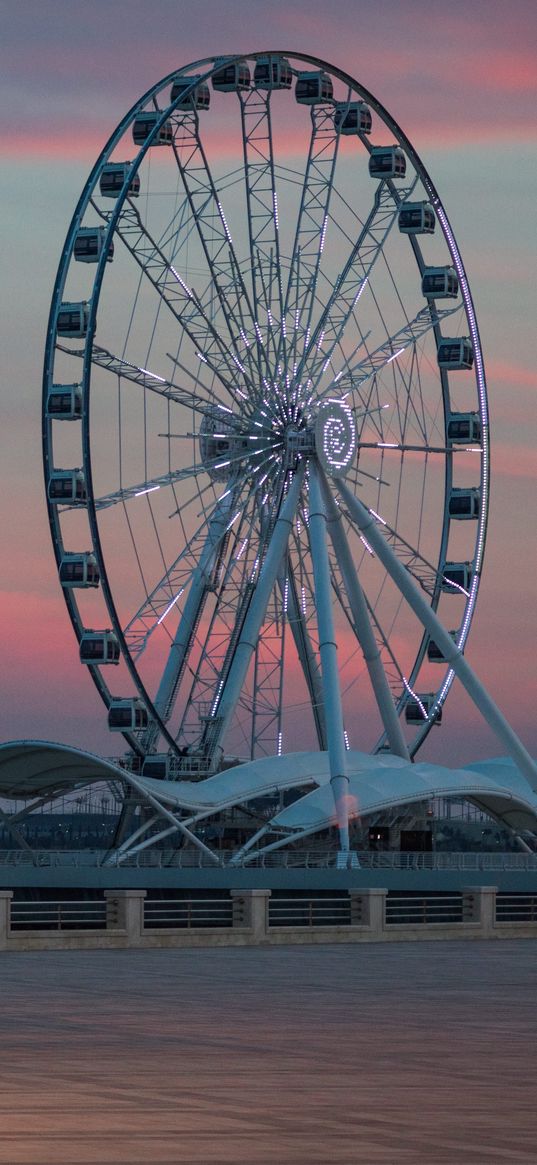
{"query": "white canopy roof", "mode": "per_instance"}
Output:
(31, 769)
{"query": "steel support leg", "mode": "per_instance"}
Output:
(410, 591)
(258, 606)
(362, 624)
(329, 668)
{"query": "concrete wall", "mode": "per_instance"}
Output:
(251, 926)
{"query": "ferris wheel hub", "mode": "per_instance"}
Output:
(335, 437)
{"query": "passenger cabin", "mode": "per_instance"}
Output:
(156, 766)
(387, 162)
(89, 245)
(231, 78)
(273, 73)
(455, 353)
(416, 218)
(73, 320)
(456, 577)
(420, 710)
(464, 428)
(99, 647)
(144, 126)
(127, 715)
(314, 88)
(198, 97)
(434, 652)
(352, 117)
(440, 283)
(464, 504)
(67, 486)
(79, 570)
(113, 178)
(64, 402)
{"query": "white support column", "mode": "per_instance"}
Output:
(258, 606)
(191, 612)
(362, 623)
(329, 669)
(411, 592)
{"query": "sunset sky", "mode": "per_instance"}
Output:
(461, 80)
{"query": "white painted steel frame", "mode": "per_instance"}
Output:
(227, 353)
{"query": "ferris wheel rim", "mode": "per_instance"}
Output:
(62, 272)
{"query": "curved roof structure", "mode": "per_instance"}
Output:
(40, 768)
(30, 769)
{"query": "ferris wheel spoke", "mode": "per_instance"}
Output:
(405, 447)
(147, 380)
(389, 351)
(262, 207)
(183, 302)
(309, 236)
(147, 487)
(200, 581)
(351, 282)
(232, 681)
(198, 552)
(362, 625)
(215, 237)
(232, 594)
(264, 707)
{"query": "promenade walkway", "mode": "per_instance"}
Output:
(335, 1055)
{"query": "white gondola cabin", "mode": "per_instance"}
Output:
(127, 715)
(455, 353)
(68, 487)
(387, 162)
(79, 570)
(464, 428)
(231, 78)
(352, 117)
(456, 577)
(64, 402)
(73, 320)
(314, 88)
(416, 218)
(99, 647)
(464, 504)
(273, 73)
(89, 245)
(419, 710)
(156, 766)
(113, 178)
(198, 97)
(144, 125)
(435, 653)
(440, 283)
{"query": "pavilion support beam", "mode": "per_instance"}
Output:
(176, 822)
(430, 621)
(337, 754)
(364, 630)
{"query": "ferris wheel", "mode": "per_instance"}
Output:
(262, 351)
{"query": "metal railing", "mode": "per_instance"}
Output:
(319, 911)
(423, 909)
(278, 859)
(82, 914)
(187, 913)
(516, 907)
